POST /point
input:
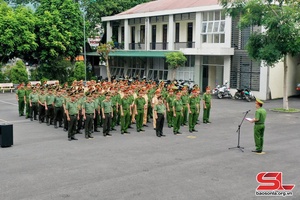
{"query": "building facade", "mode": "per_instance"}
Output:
(211, 41)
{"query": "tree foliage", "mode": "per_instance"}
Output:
(280, 19)
(175, 59)
(17, 31)
(59, 29)
(104, 50)
(18, 73)
(79, 71)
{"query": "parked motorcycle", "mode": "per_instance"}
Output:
(244, 94)
(223, 91)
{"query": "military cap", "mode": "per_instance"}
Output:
(259, 101)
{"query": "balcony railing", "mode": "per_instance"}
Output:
(159, 46)
(178, 45)
(136, 46)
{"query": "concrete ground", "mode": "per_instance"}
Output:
(43, 164)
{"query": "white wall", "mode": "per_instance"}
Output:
(276, 77)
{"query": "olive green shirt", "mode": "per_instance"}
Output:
(140, 103)
(126, 102)
(72, 107)
(178, 105)
(106, 105)
(58, 101)
(21, 93)
(185, 99)
(89, 107)
(207, 98)
(50, 99)
(260, 115)
(160, 108)
(170, 100)
(42, 98)
(33, 97)
(194, 102)
(27, 92)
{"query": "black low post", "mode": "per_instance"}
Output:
(6, 135)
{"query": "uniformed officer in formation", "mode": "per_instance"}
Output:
(104, 104)
(207, 104)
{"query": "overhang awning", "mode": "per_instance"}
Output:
(133, 53)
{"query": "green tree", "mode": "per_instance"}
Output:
(281, 37)
(104, 50)
(79, 71)
(175, 60)
(18, 73)
(17, 31)
(56, 70)
(59, 30)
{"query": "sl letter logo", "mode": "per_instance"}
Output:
(270, 181)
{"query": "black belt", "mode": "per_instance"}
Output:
(49, 105)
(160, 113)
(73, 115)
(90, 114)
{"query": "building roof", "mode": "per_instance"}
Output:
(162, 5)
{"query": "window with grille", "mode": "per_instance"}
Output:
(213, 27)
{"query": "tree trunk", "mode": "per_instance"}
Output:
(108, 70)
(285, 94)
(174, 73)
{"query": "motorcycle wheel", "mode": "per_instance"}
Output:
(236, 96)
(220, 96)
(247, 98)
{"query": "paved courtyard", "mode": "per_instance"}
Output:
(43, 164)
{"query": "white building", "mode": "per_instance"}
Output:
(215, 48)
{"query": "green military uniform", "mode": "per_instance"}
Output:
(72, 108)
(42, 99)
(89, 109)
(185, 101)
(259, 128)
(33, 101)
(114, 104)
(125, 119)
(99, 117)
(106, 108)
(160, 110)
(170, 99)
(194, 104)
(206, 111)
(21, 93)
(140, 102)
(27, 109)
(58, 110)
(178, 108)
(50, 109)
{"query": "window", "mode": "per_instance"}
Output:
(213, 27)
(177, 32)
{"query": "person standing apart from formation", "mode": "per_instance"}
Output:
(177, 113)
(207, 105)
(107, 114)
(159, 115)
(72, 112)
(259, 127)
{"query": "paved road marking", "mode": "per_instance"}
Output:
(16, 121)
(9, 103)
(191, 137)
